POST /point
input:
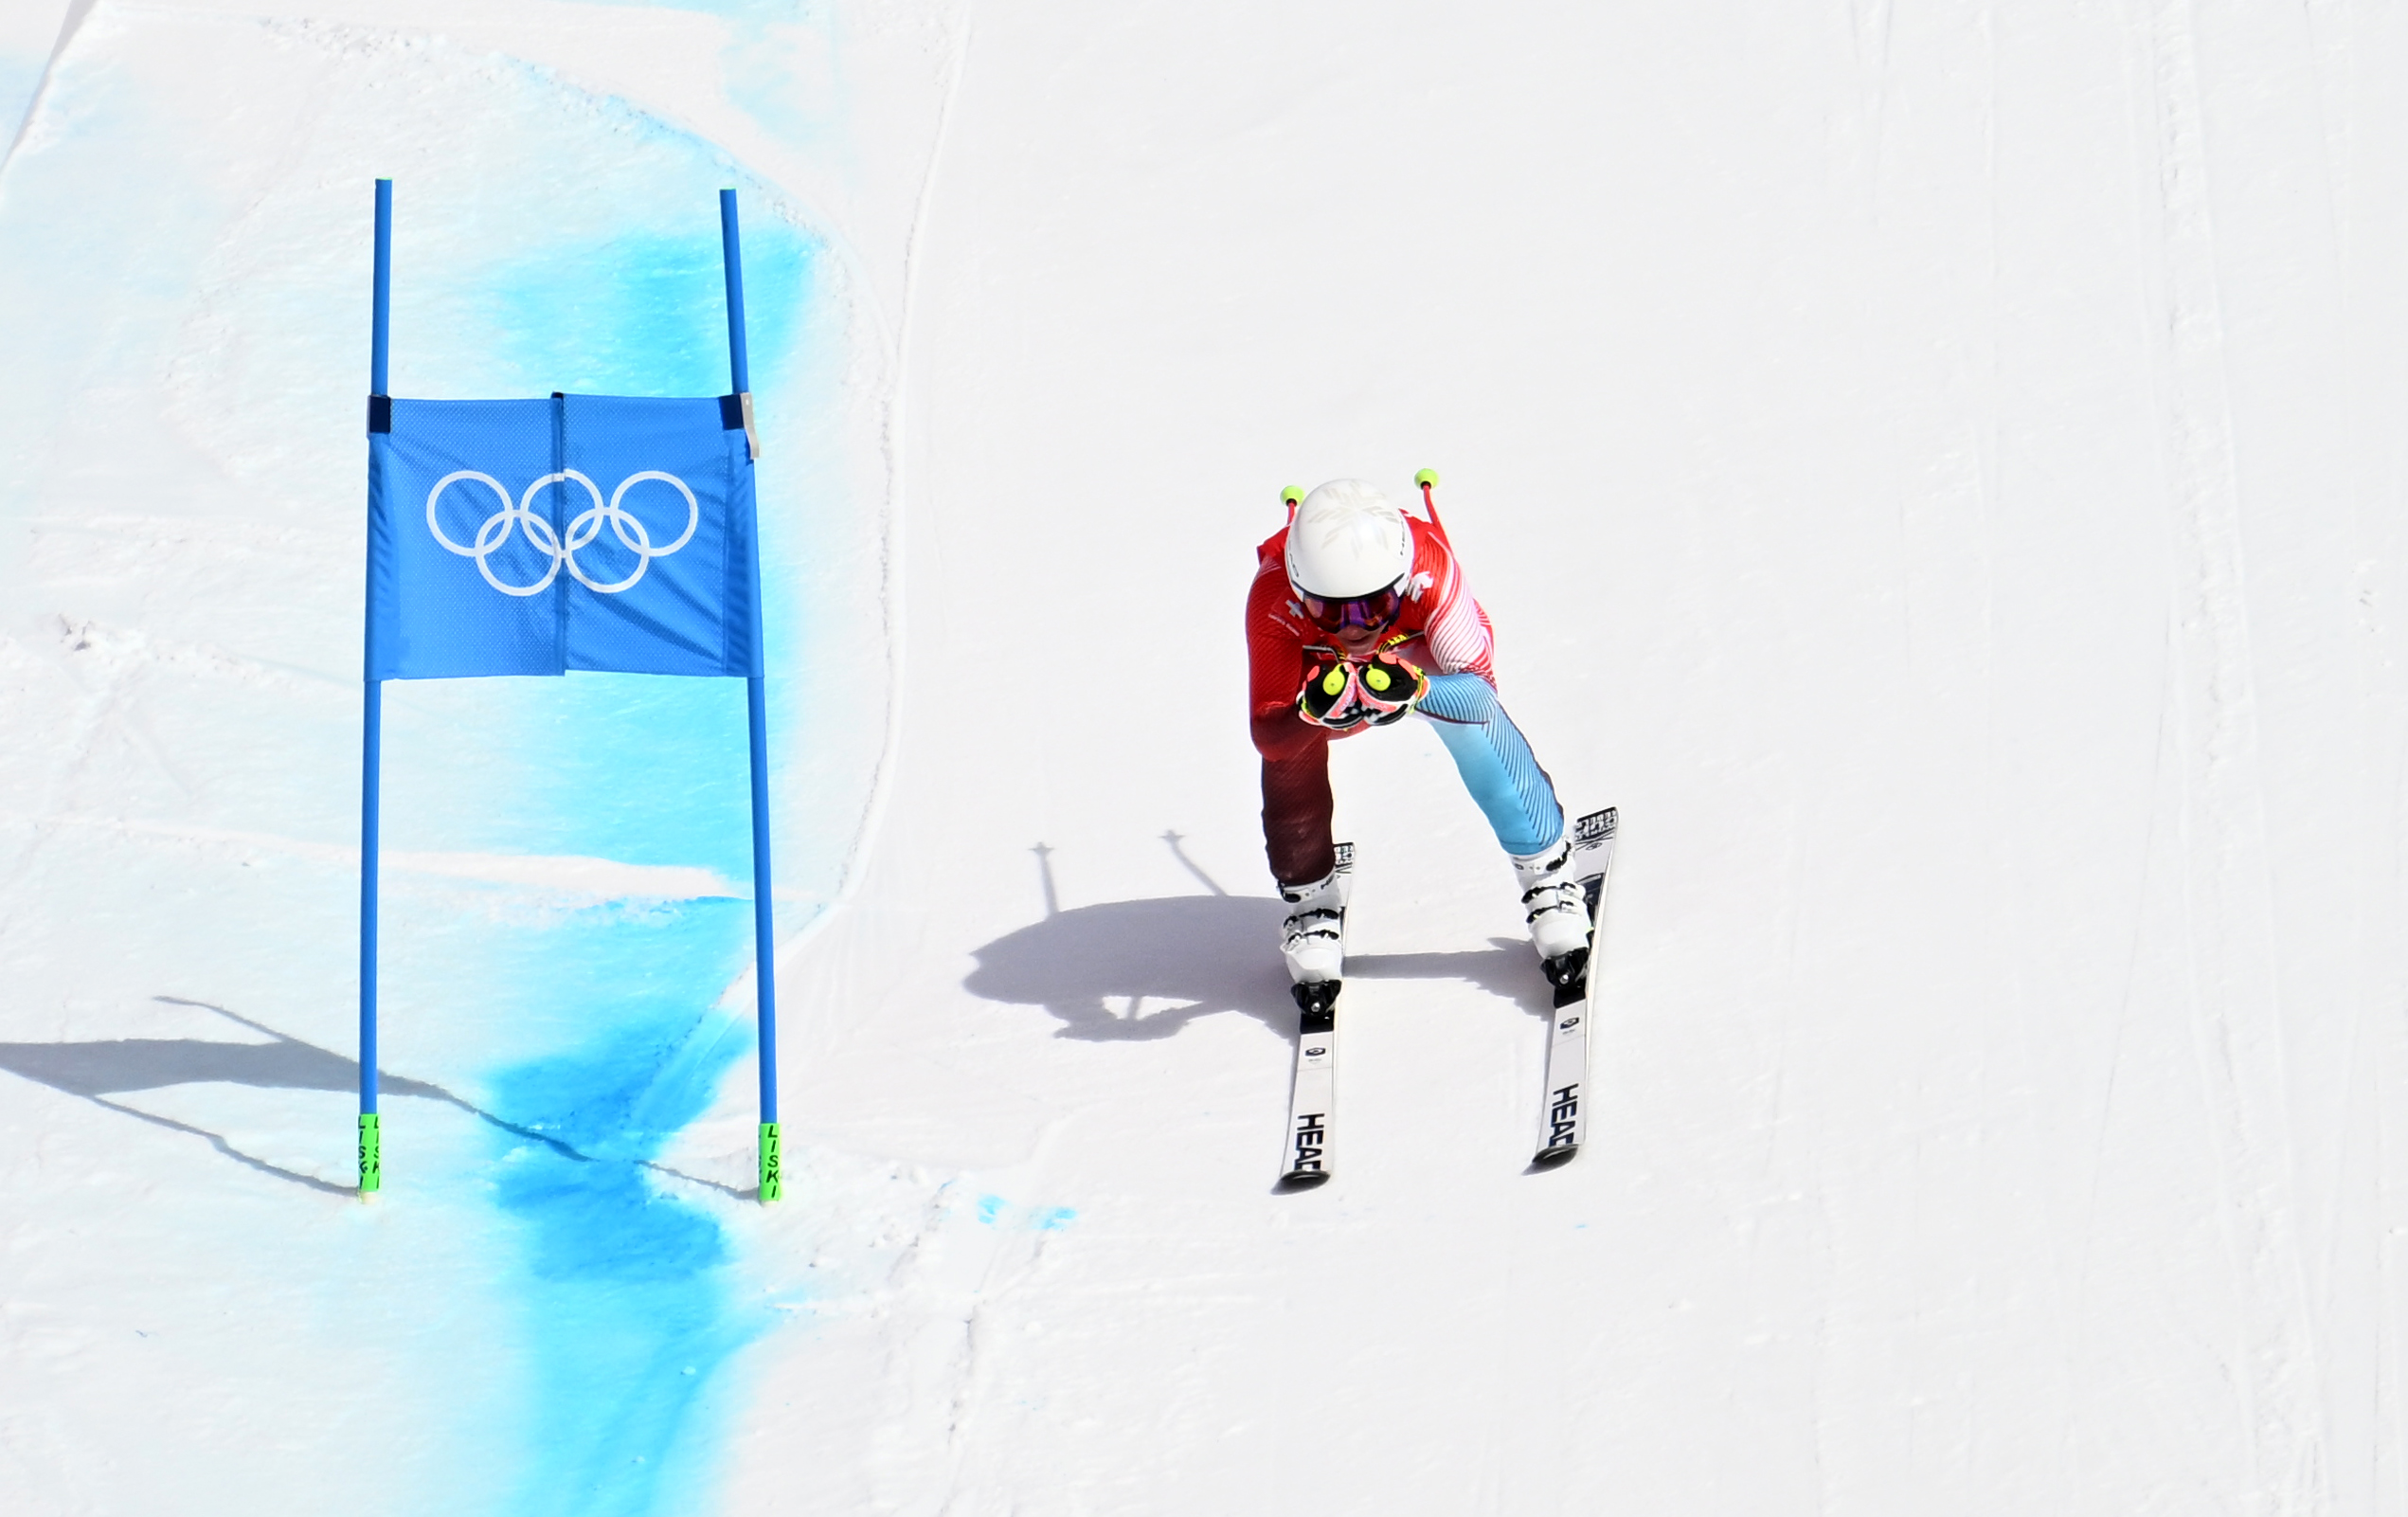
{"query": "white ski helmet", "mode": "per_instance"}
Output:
(1347, 541)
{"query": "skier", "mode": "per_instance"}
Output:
(1359, 615)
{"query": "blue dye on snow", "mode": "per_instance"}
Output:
(629, 1315)
(645, 313)
(989, 1211)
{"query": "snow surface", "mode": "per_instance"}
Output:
(1935, 466)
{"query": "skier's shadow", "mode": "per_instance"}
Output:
(1130, 971)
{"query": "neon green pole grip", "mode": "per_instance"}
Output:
(371, 1155)
(773, 1181)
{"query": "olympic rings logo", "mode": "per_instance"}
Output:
(582, 528)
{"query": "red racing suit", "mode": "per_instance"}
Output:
(1447, 633)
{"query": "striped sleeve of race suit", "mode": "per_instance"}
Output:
(1453, 625)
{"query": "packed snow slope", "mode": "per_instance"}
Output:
(1935, 466)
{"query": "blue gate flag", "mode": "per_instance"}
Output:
(583, 532)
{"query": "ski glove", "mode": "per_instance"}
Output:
(1343, 693)
(1329, 697)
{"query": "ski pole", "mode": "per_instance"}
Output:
(1428, 480)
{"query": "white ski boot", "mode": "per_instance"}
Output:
(1313, 939)
(1553, 902)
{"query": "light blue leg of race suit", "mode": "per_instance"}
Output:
(1495, 761)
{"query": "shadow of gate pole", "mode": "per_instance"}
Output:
(96, 1069)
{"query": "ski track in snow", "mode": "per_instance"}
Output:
(2236, 989)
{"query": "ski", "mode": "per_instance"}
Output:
(1562, 1121)
(1313, 1099)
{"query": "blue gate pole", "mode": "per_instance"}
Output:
(373, 740)
(757, 720)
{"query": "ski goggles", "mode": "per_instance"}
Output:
(1370, 613)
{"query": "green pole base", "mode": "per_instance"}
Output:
(773, 1179)
(371, 1155)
